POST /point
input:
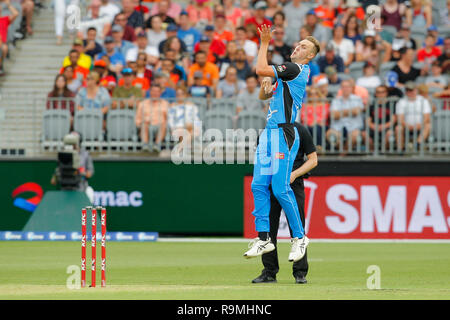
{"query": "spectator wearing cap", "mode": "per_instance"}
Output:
(414, 116)
(357, 90)
(295, 12)
(135, 19)
(321, 83)
(108, 79)
(121, 45)
(198, 89)
(391, 81)
(346, 121)
(231, 85)
(394, 12)
(199, 13)
(321, 33)
(189, 35)
(79, 71)
(91, 46)
(220, 30)
(209, 70)
(126, 94)
(215, 49)
(250, 48)
(152, 112)
(171, 32)
(73, 83)
(369, 80)
(430, 52)
(258, 18)
(173, 9)
(326, 12)
(117, 60)
(84, 60)
(433, 30)
(402, 40)
(128, 31)
(5, 21)
(141, 46)
(404, 67)
(343, 47)
(332, 75)
(330, 59)
(141, 83)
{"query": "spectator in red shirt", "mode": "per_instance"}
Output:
(128, 31)
(259, 16)
(214, 48)
(430, 52)
(4, 25)
(221, 31)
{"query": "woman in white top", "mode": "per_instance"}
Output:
(342, 46)
(156, 34)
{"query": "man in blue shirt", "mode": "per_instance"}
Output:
(279, 143)
(189, 35)
(116, 59)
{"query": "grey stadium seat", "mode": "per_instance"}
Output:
(441, 129)
(356, 69)
(56, 124)
(121, 127)
(89, 123)
(228, 104)
(218, 119)
(251, 119)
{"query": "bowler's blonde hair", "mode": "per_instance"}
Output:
(316, 44)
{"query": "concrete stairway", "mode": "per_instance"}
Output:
(30, 73)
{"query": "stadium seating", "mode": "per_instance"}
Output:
(251, 119)
(56, 124)
(89, 123)
(121, 128)
(219, 119)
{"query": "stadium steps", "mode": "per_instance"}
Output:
(30, 73)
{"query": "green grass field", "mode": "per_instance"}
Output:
(188, 270)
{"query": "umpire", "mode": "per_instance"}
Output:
(300, 170)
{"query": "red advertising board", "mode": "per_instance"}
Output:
(370, 208)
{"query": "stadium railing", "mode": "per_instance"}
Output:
(117, 132)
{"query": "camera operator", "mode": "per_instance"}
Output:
(75, 167)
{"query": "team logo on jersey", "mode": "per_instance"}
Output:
(281, 67)
(279, 155)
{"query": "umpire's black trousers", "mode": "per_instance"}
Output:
(270, 260)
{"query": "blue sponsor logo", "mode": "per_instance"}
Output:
(76, 236)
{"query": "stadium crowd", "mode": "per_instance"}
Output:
(152, 55)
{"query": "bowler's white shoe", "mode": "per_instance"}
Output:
(259, 247)
(298, 248)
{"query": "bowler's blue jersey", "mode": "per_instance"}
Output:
(290, 87)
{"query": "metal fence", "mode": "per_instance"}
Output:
(379, 128)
